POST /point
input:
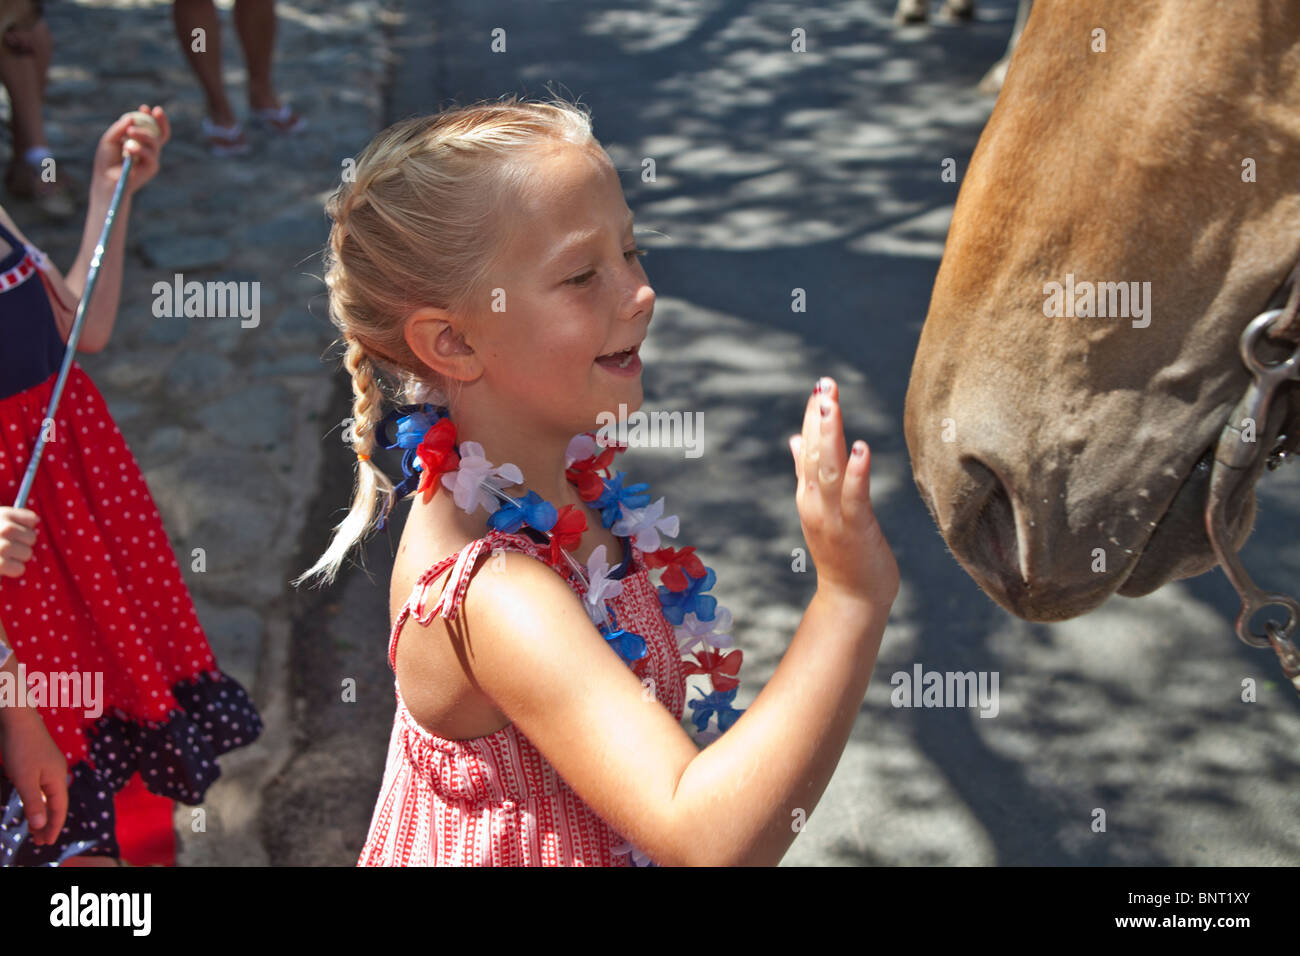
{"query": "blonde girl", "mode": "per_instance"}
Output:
(483, 273)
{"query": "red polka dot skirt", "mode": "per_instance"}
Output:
(102, 599)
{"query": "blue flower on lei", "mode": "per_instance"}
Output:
(411, 422)
(718, 702)
(532, 509)
(615, 497)
(411, 428)
(692, 600)
(629, 646)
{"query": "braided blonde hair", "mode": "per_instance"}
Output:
(420, 225)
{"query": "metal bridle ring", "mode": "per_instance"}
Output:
(1259, 328)
(1254, 605)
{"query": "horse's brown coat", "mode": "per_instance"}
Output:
(1118, 166)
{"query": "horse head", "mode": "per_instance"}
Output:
(1133, 202)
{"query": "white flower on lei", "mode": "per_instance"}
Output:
(715, 633)
(645, 525)
(581, 447)
(638, 858)
(600, 587)
(465, 483)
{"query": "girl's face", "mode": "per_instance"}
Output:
(572, 288)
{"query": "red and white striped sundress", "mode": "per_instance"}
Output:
(495, 800)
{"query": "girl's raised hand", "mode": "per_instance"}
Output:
(138, 142)
(17, 539)
(833, 496)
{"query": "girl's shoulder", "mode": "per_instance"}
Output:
(431, 551)
(439, 652)
(417, 557)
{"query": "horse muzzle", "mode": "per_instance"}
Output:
(1038, 569)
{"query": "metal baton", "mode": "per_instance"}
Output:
(145, 121)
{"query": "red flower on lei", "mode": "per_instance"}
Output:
(567, 531)
(721, 668)
(437, 451)
(677, 564)
(583, 474)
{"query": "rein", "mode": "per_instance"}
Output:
(1237, 451)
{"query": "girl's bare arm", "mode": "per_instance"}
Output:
(102, 312)
(532, 649)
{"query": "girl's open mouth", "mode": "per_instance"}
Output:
(627, 362)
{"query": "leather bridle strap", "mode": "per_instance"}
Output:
(1236, 455)
(1287, 326)
(1287, 329)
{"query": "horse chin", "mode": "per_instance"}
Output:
(1180, 546)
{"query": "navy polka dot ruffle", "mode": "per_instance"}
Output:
(176, 759)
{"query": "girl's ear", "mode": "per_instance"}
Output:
(438, 340)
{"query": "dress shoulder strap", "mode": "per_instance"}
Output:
(462, 565)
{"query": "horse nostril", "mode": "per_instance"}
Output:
(992, 529)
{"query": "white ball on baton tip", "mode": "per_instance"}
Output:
(144, 121)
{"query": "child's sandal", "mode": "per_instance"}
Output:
(282, 119)
(224, 140)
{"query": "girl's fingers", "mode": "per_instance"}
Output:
(144, 159)
(16, 534)
(143, 145)
(125, 130)
(856, 499)
(16, 551)
(56, 803)
(29, 792)
(831, 461)
(828, 476)
(139, 143)
(23, 516)
(810, 444)
(159, 117)
(119, 126)
(143, 135)
(164, 125)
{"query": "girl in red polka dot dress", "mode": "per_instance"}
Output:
(91, 595)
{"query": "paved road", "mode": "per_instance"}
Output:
(821, 171)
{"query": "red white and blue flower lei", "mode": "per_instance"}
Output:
(427, 437)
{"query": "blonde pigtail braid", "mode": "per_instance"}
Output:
(372, 482)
